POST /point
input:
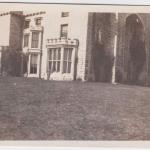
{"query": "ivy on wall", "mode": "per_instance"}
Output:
(11, 62)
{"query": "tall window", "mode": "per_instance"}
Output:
(33, 63)
(54, 59)
(64, 30)
(26, 40)
(67, 60)
(35, 39)
(26, 24)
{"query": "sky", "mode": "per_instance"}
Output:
(137, 2)
(29, 8)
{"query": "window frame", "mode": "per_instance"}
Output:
(35, 41)
(26, 41)
(62, 33)
(65, 14)
(33, 66)
(36, 19)
(54, 60)
(68, 61)
(25, 26)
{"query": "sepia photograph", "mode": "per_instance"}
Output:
(74, 72)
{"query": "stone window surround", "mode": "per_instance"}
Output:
(63, 30)
(73, 44)
(62, 60)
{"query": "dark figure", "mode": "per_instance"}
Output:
(138, 57)
(98, 60)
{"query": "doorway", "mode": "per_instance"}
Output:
(135, 44)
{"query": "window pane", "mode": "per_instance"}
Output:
(26, 40)
(27, 24)
(58, 66)
(64, 14)
(50, 54)
(33, 64)
(70, 54)
(67, 60)
(59, 54)
(50, 66)
(33, 59)
(65, 67)
(38, 21)
(34, 69)
(64, 30)
(54, 54)
(69, 67)
(35, 39)
(65, 54)
(54, 59)
(54, 66)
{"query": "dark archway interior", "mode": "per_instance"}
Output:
(136, 46)
(98, 61)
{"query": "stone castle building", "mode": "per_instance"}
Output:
(87, 46)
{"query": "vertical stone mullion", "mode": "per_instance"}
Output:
(73, 62)
(29, 64)
(61, 61)
(38, 64)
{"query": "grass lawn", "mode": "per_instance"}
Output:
(34, 109)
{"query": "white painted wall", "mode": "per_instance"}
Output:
(4, 30)
(78, 30)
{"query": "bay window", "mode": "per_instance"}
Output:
(55, 62)
(54, 59)
(61, 60)
(67, 60)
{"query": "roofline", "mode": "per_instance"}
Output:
(34, 14)
(19, 14)
(12, 13)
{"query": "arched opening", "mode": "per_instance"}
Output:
(135, 48)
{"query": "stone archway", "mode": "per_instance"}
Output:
(135, 48)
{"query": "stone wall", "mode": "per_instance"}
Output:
(123, 49)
